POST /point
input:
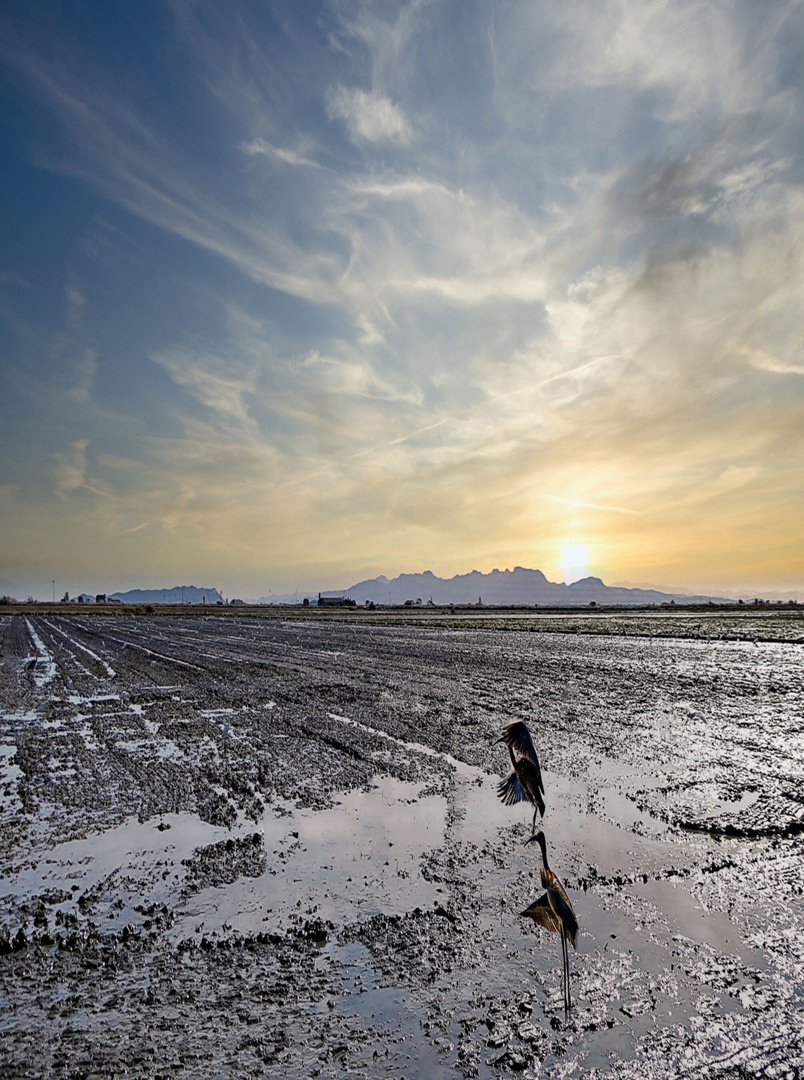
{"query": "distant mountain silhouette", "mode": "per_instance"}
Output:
(502, 587)
(186, 594)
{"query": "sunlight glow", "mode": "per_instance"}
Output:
(574, 558)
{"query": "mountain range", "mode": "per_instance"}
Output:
(501, 587)
(179, 594)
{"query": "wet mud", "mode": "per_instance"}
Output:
(244, 846)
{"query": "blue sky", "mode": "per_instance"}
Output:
(295, 293)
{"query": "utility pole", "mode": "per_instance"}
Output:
(54, 590)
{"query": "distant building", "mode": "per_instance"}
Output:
(238, 603)
(336, 601)
(100, 598)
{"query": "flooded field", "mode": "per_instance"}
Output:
(249, 846)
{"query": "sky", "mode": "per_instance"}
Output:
(297, 293)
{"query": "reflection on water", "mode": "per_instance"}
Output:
(360, 858)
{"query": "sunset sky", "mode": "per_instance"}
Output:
(292, 294)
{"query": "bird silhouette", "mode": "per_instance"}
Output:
(525, 780)
(553, 911)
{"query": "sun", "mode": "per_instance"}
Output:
(574, 559)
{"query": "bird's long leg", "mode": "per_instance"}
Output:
(563, 969)
(565, 972)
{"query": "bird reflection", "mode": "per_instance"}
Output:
(525, 781)
(553, 911)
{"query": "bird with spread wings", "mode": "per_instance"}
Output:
(524, 782)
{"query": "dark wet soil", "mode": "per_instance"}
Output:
(271, 846)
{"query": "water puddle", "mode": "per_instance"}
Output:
(386, 1009)
(359, 859)
(133, 864)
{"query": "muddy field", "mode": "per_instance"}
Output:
(252, 846)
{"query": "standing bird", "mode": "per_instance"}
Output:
(525, 781)
(553, 911)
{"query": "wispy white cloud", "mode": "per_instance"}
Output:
(419, 431)
(261, 147)
(220, 385)
(762, 360)
(84, 369)
(69, 473)
(368, 115)
(590, 505)
(7, 278)
(126, 157)
(731, 479)
(76, 303)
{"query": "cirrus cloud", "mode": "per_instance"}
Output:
(369, 116)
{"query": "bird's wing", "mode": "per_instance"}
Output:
(542, 914)
(531, 775)
(517, 737)
(510, 790)
(560, 904)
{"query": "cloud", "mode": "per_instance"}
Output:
(732, 479)
(7, 278)
(76, 304)
(261, 147)
(693, 61)
(85, 370)
(355, 376)
(222, 386)
(589, 505)
(126, 156)
(403, 187)
(762, 360)
(69, 473)
(368, 115)
(415, 434)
